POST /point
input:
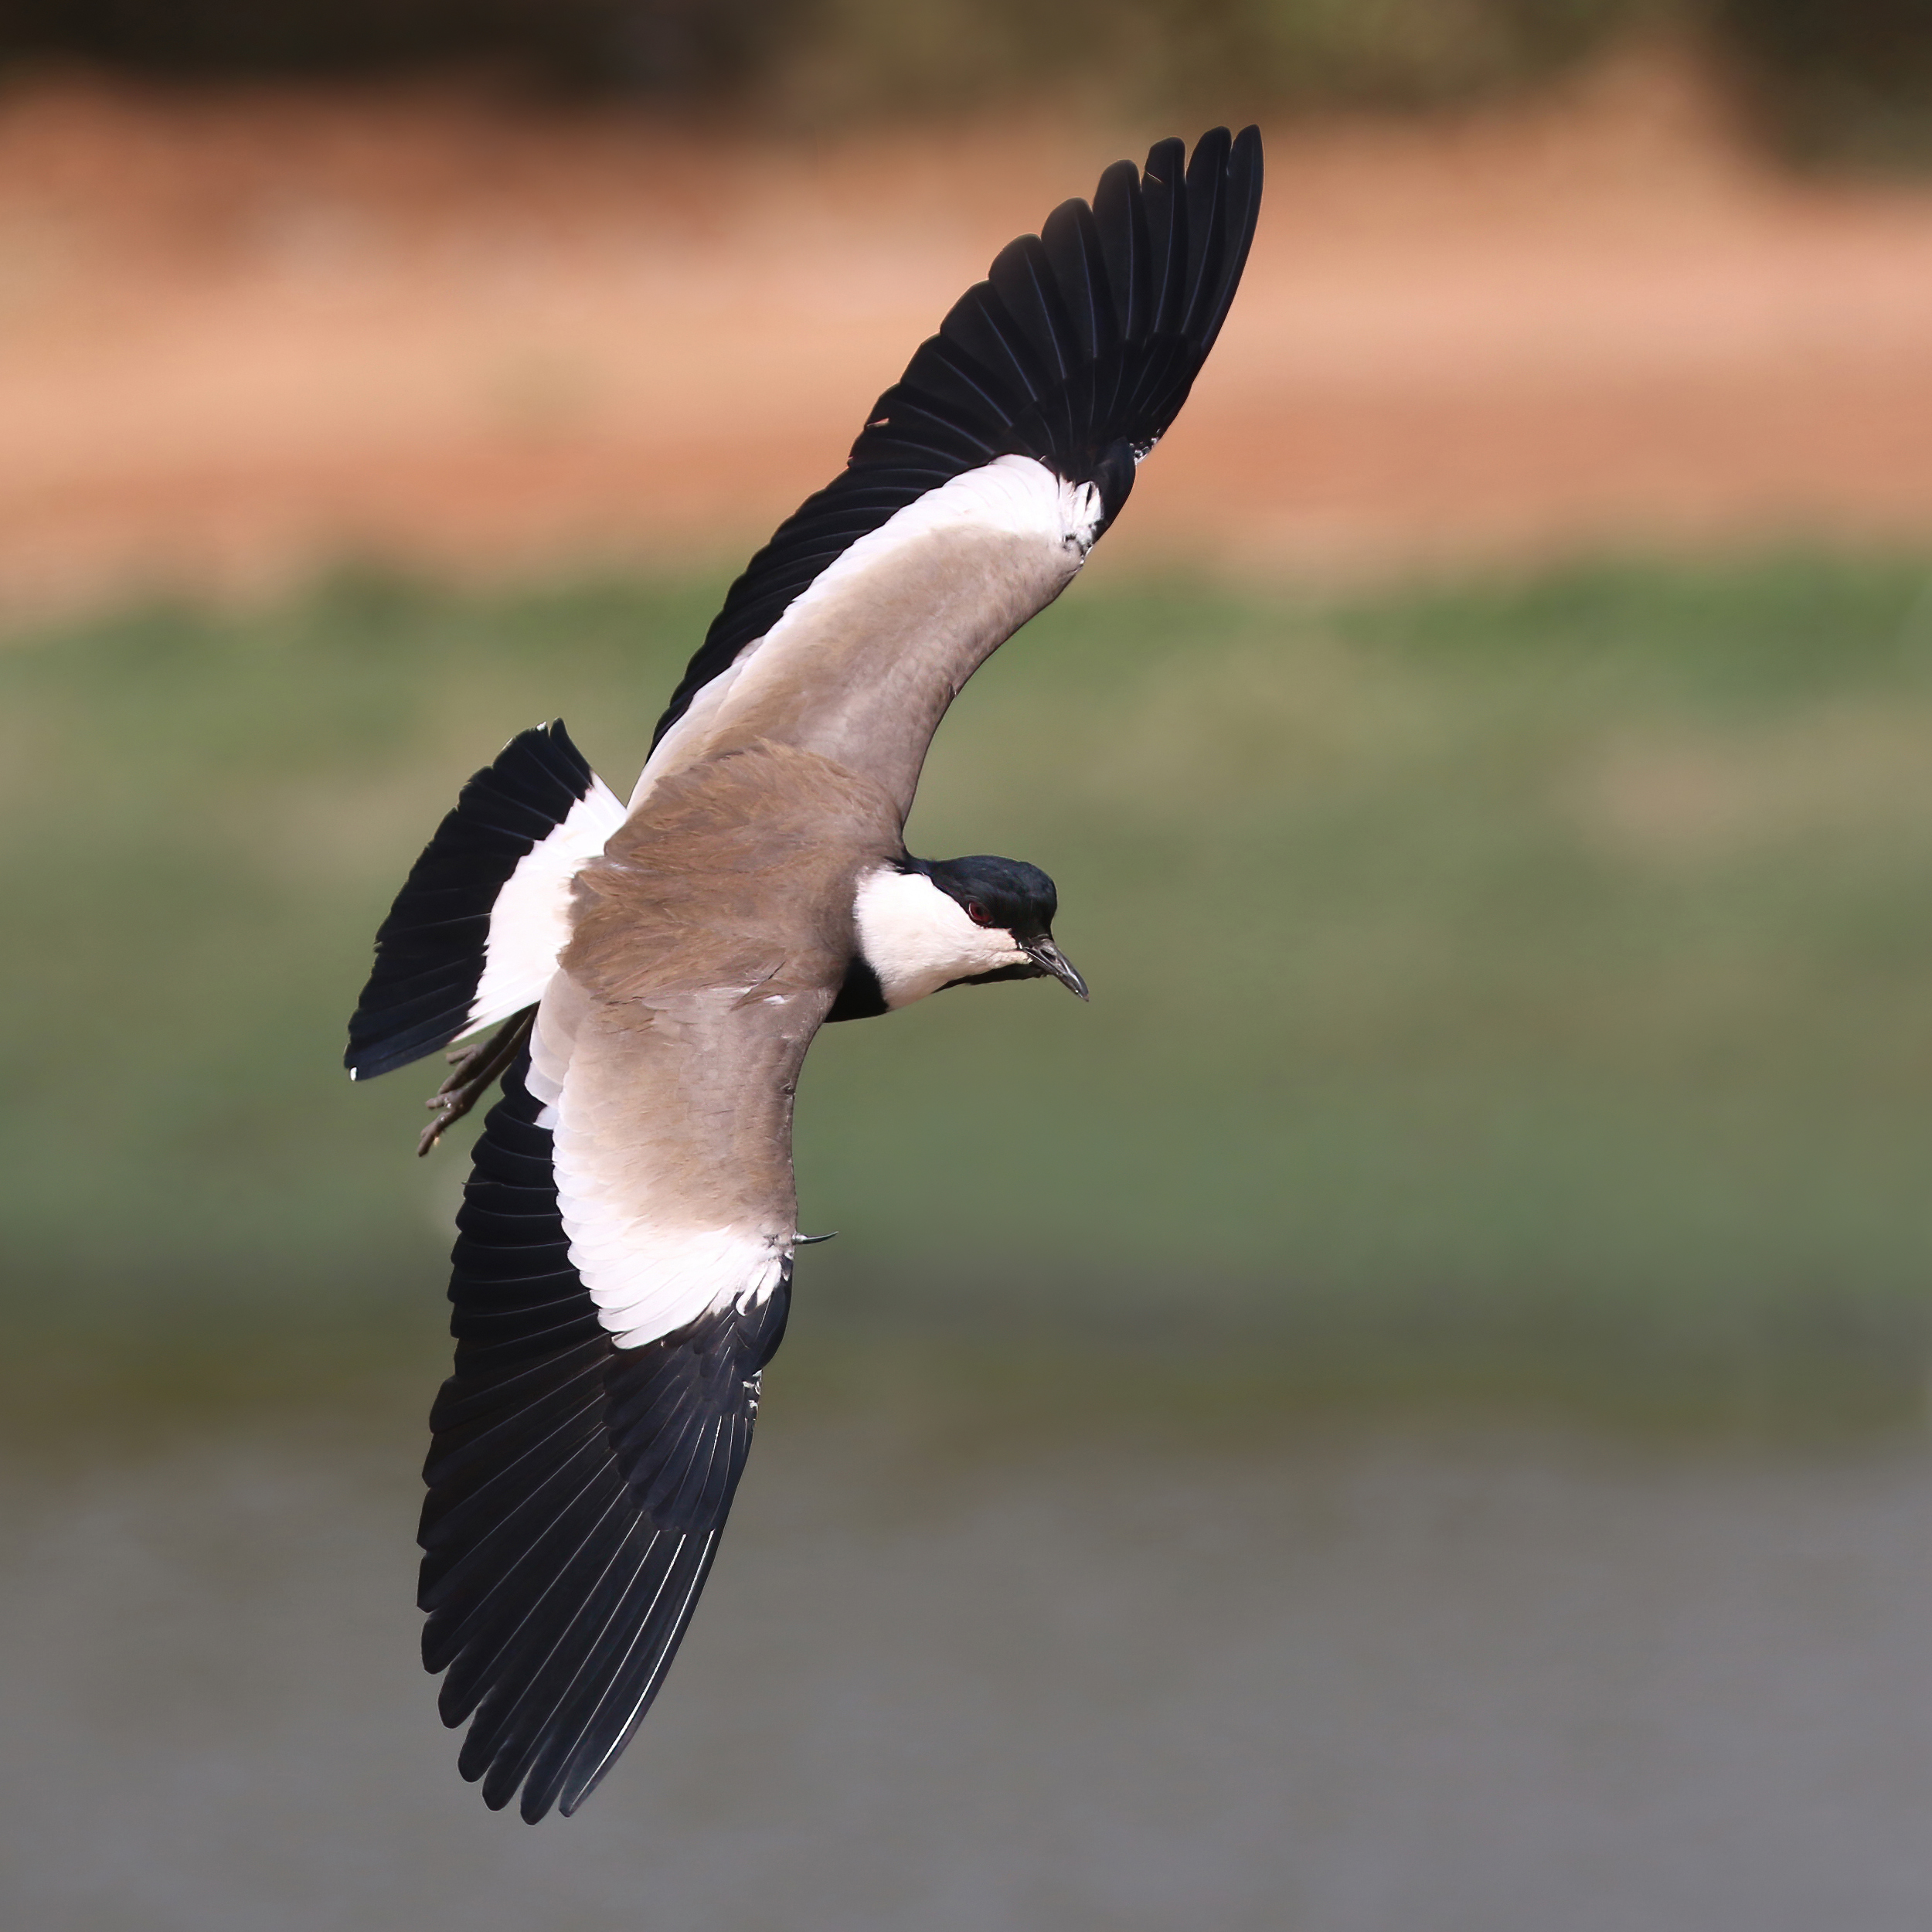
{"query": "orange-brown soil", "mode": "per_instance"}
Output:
(240, 334)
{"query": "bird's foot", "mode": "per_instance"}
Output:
(473, 1070)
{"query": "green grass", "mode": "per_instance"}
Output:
(1512, 983)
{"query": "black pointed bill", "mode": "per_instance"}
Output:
(1049, 957)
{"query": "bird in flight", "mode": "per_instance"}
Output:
(654, 971)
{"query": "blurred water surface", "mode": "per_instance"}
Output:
(1337, 1682)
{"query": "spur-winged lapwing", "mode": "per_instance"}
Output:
(656, 970)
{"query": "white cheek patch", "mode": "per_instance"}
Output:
(918, 939)
(530, 921)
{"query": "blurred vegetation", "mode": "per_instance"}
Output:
(1518, 983)
(659, 47)
(1836, 79)
(1825, 76)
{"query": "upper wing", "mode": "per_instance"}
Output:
(981, 477)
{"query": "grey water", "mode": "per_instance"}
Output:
(1448, 1680)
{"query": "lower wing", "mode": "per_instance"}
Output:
(576, 1489)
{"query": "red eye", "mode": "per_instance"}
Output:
(978, 913)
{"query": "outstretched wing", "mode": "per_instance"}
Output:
(981, 477)
(576, 1488)
(621, 1275)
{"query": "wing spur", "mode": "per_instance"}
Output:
(576, 1490)
(1078, 350)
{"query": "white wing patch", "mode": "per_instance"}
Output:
(1011, 496)
(1015, 495)
(530, 922)
(648, 1281)
(649, 1271)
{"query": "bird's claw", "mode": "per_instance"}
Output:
(473, 1070)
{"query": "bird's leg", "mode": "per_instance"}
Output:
(473, 1070)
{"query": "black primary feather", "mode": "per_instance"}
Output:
(429, 951)
(576, 1490)
(1078, 349)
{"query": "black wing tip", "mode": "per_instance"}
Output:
(554, 1755)
(377, 1061)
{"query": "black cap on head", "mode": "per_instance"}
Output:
(1009, 895)
(1006, 893)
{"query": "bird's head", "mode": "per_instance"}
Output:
(934, 923)
(1007, 900)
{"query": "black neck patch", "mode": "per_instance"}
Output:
(861, 997)
(1029, 970)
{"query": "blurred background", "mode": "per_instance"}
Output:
(1410, 1409)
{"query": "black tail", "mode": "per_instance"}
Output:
(431, 952)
